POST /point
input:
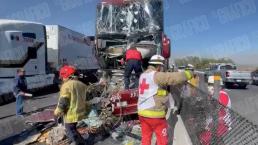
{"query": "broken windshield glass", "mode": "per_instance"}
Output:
(130, 18)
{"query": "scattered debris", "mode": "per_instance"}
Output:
(43, 137)
(87, 130)
(133, 137)
(128, 133)
(100, 122)
(41, 117)
(29, 140)
(93, 119)
(56, 135)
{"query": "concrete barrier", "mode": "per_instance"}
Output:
(181, 136)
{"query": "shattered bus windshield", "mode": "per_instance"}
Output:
(131, 17)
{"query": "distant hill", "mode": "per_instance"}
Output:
(247, 67)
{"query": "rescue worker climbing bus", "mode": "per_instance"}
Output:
(133, 63)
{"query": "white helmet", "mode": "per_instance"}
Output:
(190, 66)
(157, 59)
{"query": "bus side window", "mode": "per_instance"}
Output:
(32, 52)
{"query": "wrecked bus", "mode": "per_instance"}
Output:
(121, 24)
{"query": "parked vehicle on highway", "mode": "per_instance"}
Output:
(230, 75)
(181, 68)
(22, 45)
(66, 46)
(255, 77)
(27, 45)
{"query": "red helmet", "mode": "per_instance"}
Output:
(66, 71)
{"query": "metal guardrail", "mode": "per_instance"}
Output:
(210, 123)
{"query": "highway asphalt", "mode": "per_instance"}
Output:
(245, 102)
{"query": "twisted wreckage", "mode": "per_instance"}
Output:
(107, 116)
(101, 121)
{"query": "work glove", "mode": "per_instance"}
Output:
(102, 82)
(188, 74)
(58, 112)
(59, 120)
(122, 61)
(176, 111)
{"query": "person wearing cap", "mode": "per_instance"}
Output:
(72, 104)
(153, 99)
(190, 67)
(133, 59)
(194, 82)
(19, 90)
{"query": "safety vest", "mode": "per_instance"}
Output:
(148, 90)
(133, 54)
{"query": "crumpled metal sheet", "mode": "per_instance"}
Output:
(40, 117)
(29, 140)
(133, 138)
(130, 17)
(115, 51)
(129, 133)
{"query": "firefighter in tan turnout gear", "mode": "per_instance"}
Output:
(72, 103)
(152, 99)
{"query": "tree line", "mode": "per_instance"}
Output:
(200, 63)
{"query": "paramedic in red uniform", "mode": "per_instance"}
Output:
(133, 62)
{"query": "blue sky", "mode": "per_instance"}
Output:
(206, 28)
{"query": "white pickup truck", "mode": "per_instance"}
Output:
(230, 75)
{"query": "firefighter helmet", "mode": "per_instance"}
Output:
(66, 71)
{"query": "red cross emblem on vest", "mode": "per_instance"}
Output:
(143, 86)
